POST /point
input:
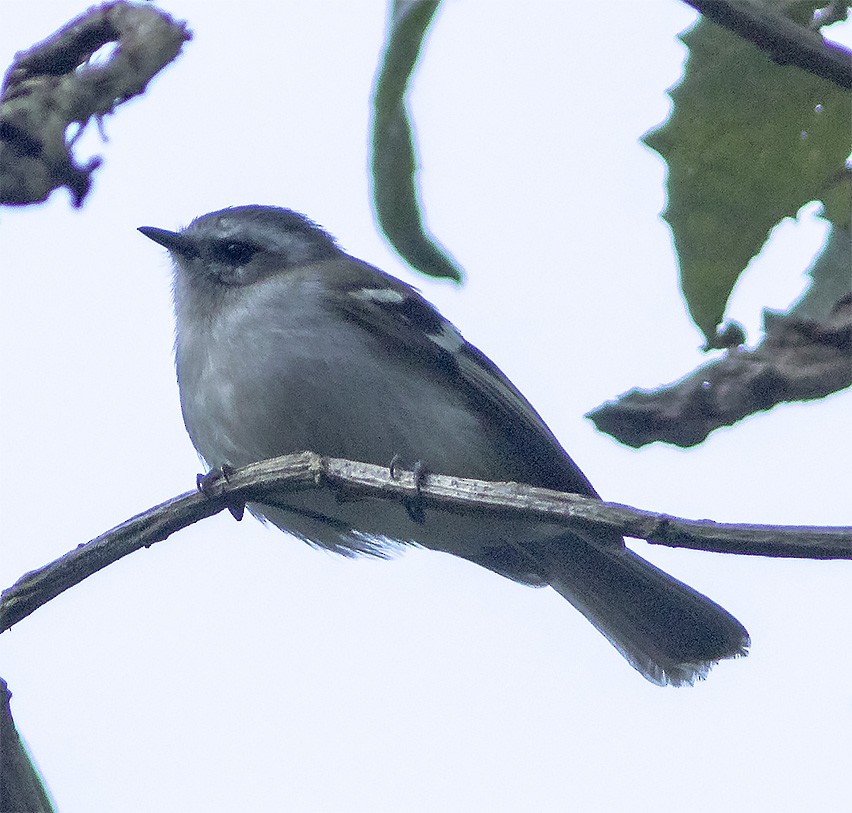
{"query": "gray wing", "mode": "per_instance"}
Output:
(410, 325)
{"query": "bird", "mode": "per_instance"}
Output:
(284, 343)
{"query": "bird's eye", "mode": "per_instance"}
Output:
(235, 253)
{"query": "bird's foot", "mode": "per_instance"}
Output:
(413, 505)
(210, 485)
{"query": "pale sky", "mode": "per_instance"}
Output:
(233, 668)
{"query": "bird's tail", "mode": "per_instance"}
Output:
(666, 630)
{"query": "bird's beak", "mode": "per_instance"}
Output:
(172, 240)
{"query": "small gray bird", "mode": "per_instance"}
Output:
(286, 343)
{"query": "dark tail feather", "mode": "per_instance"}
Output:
(665, 629)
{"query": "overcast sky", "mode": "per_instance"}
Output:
(233, 668)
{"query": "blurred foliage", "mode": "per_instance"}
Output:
(21, 788)
(748, 143)
(394, 159)
(831, 277)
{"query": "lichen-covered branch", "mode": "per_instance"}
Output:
(784, 40)
(798, 360)
(306, 470)
(51, 87)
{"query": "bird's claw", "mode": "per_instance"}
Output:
(413, 505)
(210, 485)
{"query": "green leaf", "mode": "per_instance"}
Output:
(394, 162)
(837, 200)
(831, 279)
(748, 143)
(21, 787)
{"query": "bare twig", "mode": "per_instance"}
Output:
(50, 87)
(784, 40)
(798, 360)
(305, 470)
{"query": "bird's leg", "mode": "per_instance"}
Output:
(413, 505)
(210, 485)
(416, 505)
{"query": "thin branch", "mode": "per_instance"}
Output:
(306, 470)
(786, 41)
(51, 87)
(798, 360)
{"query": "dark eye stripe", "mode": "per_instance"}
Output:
(233, 252)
